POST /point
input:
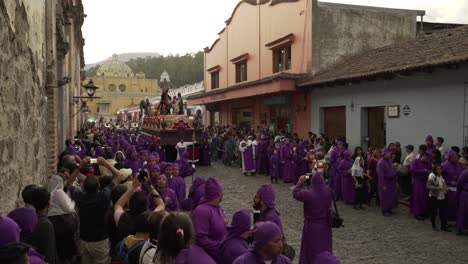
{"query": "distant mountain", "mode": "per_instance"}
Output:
(125, 57)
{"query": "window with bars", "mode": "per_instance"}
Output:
(282, 59)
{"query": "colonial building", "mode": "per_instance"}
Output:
(118, 88)
(266, 45)
(40, 72)
(400, 92)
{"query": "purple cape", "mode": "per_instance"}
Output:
(388, 189)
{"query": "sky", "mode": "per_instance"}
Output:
(181, 26)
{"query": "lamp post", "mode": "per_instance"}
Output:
(90, 88)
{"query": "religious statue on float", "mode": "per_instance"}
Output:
(165, 104)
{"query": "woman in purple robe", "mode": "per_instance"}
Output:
(236, 241)
(462, 215)
(209, 218)
(317, 231)
(287, 161)
(451, 170)
(178, 184)
(387, 183)
(344, 176)
(267, 246)
(275, 168)
(167, 194)
(420, 170)
(196, 192)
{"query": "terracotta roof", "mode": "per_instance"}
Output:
(279, 76)
(444, 47)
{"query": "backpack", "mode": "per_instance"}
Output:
(124, 252)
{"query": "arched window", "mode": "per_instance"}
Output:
(122, 87)
(111, 87)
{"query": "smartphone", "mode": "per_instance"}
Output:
(93, 161)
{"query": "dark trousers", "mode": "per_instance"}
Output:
(361, 192)
(374, 192)
(404, 180)
(438, 206)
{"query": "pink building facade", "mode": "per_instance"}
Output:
(250, 71)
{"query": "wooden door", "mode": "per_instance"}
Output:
(376, 125)
(335, 121)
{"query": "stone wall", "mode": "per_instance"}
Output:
(35, 55)
(22, 99)
(342, 30)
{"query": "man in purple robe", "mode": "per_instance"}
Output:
(451, 171)
(267, 246)
(196, 192)
(317, 231)
(334, 161)
(177, 183)
(343, 176)
(430, 144)
(275, 168)
(287, 161)
(388, 183)
(236, 241)
(265, 202)
(185, 169)
(209, 219)
(133, 162)
(462, 215)
(420, 170)
(248, 156)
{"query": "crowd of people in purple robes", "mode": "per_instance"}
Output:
(117, 199)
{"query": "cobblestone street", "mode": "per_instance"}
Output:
(367, 237)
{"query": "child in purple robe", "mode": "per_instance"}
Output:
(462, 214)
(452, 170)
(236, 241)
(275, 169)
(420, 170)
(209, 218)
(387, 183)
(267, 246)
(175, 242)
(317, 231)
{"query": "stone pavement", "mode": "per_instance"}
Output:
(367, 237)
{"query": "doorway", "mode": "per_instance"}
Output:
(242, 118)
(376, 126)
(334, 120)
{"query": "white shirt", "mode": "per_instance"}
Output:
(408, 159)
(441, 183)
(147, 255)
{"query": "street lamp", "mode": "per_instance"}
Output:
(90, 88)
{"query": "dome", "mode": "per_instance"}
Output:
(114, 67)
(165, 76)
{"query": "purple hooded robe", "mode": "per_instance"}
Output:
(326, 258)
(462, 216)
(334, 157)
(271, 214)
(194, 255)
(420, 194)
(185, 169)
(287, 161)
(26, 218)
(451, 172)
(177, 184)
(234, 245)
(209, 219)
(197, 191)
(275, 168)
(169, 197)
(344, 175)
(317, 231)
(388, 189)
(248, 159)
(301, 165)
(263, 233)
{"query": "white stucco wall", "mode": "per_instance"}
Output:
(436, 101)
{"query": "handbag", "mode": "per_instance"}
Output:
(337, 221)
(289, 251)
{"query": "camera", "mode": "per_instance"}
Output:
(142, 176)
(308, 177)
(93, 161)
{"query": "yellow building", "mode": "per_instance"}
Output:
(119, 87)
